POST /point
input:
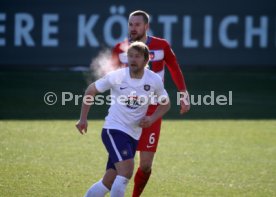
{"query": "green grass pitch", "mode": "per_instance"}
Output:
(194, 158)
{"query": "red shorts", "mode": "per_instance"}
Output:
(150, 136)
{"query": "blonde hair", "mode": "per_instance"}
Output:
(140, 47)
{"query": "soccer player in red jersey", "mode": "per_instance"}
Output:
(161, 55)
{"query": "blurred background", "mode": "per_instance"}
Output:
(222, 46)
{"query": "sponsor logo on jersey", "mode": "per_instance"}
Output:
(132, 102)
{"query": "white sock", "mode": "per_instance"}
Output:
(119, 186)
(97, 190)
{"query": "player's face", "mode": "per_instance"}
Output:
(136, 60)
(137, 28)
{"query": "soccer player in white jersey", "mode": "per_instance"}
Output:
(132, 89)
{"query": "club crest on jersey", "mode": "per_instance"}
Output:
(147, 87)
(151, 55)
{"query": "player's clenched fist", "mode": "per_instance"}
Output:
(146, 122)
(82, 126)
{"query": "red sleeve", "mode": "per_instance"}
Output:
(174, 68)
(115, 56)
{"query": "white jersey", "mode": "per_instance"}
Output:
(129, 98)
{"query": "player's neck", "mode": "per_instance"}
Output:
(144, 39)
(136, 75)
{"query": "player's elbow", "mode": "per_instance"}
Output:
(91, 90)
(166, 104)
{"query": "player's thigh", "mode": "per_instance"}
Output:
(121, 148)
(119, 145)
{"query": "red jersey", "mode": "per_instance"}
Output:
(161, 55)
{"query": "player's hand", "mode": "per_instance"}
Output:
(82, 126)
(184, 107)
(146, 122)
(185, 103)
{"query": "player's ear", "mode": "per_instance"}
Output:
(147, 26)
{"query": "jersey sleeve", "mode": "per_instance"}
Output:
(115, 56)
(117, 50)
(174, 68)
(103, 83)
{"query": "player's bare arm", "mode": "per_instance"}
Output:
(178, 78)
(82, 122)
(161, 110)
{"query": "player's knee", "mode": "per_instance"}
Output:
(127, 173)
(109, 178)
(146, 166)
(108, 183)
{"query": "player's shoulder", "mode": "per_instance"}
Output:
(116, 76)
(118, 72)
(158, 40)
(121, 45)
(152, 76)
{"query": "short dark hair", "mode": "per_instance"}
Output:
(140, 13)
(140, 47)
